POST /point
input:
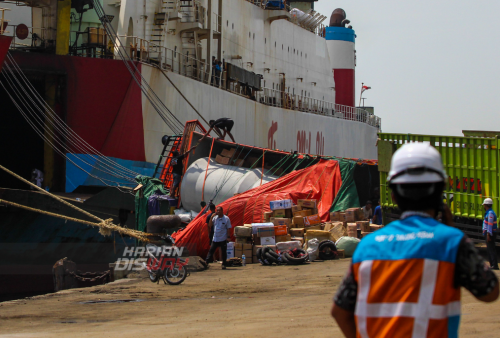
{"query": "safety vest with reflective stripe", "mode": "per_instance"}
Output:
(405, 275)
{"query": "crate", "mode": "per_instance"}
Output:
(470, 162)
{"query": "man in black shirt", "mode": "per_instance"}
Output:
(177, 168)
(224, 123)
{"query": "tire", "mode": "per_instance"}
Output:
(260, 257)
(283, 259)
(293, 260)
(177, 275)
(270, 251)
(327, 250)
(153, 276)
(271, 258)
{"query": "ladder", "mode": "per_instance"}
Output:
(180, 143)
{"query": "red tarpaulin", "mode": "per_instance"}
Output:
(321, 182)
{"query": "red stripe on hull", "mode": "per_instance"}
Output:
(103, 102)
(344, 86)
(4, 48)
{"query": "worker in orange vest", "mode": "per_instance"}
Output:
(405, 279)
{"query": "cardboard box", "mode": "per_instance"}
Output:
(265, 232)
(298, 221)
(240, 231)
(270, 240)
(296, 208)
(319, 234)
(350, 215)
(337, 231)
(303, 213)
(282, 221)
(244, 249)
(364, 233)
(374, 227)
(342, 217)
(327, 226)
(243, 240)
(283, 213)
(256, 226)
(268, 215)
(256, 240)
(281, 204)
(335, 216)
(228, 152)
(285, 238)
(311, 204)
(222, 160)
(312, 220)
(297, 232)
(364, 226)
(230, 250)
(341, 253)
(281, 230)
(300, 239)
(312, 227)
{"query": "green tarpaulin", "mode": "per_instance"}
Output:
(347, 197)
(149, 187)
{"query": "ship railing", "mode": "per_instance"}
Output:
(281, 99)
(170, 59)
(36, 37)
(217, 22)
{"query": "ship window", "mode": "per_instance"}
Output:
(293, 91)
(227, 23)
(273, 85)
(294, 51)
(306, 55)
(281, 46)
(288, 49)
(265, 40)
(274, 44)
(232, 25)
(302, 92)
(175, 51)
(254, 36)
(300, 53)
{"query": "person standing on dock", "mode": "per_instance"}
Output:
(210, 224)
(490, 232)
(177, 169)
(225, 124)
(377, 215)
(405, 278)
(37, 177)
(221, 225)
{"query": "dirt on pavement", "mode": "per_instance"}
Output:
(251, 301)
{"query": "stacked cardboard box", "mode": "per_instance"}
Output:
(244, 249)
(243, 234)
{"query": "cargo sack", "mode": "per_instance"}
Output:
(313, 249)
(348, 244)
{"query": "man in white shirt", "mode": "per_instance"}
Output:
(221, 224)
(367, 210)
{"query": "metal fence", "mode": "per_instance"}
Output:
(470, 162)
(281, 99)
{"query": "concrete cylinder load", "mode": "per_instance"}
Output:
(230, 180)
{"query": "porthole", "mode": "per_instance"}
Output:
(227, 23)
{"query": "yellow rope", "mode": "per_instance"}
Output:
(106, 226)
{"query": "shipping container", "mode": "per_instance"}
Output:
(472, 166)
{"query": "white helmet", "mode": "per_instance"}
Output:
(416, 163)
(488, 201)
